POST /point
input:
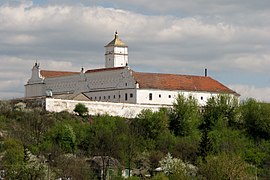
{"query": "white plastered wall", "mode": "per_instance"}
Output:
(95, 108)
(120, 96)
(33, 90)
(116, 57)
(166, 97)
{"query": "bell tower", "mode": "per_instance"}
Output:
(116, 53)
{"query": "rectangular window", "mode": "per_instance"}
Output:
(113, 96)
(126, 96)
(131, 95)
(150, 96)
(109, 97)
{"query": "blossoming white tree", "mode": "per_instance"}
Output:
(175, 166)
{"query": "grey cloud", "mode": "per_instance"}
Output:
(249, 91)
(197, 6)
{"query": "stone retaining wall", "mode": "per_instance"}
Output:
(95, 108)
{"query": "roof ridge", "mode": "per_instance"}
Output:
(104, 69)
(57, 71)
(172, 74)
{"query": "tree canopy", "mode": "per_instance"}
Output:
(224, 139)
(81, 109)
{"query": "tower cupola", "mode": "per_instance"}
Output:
(116, 53)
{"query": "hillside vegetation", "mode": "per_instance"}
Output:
(222, 140)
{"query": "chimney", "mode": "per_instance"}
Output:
(205, 72)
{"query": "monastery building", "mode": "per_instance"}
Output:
(118, 83)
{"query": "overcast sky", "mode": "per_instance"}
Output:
(231, 38)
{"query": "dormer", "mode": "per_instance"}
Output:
(116, 53)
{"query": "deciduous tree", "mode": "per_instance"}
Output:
(62, 134)
(184, 116)
(256, 118)
(104, 138)
(226, 166)
(152, 124)
(81, 109)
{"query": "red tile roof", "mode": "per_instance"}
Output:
(50, 74)
(179, 82)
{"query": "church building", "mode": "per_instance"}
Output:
(118, 83)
